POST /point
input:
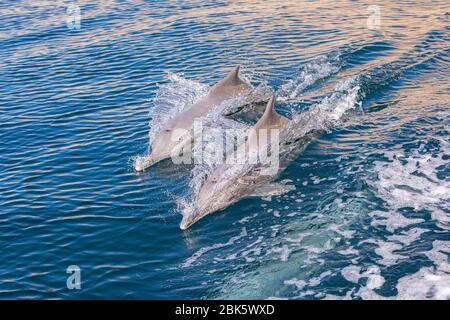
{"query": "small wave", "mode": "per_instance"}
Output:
(188, 262)
(308, 74)
(411, 180)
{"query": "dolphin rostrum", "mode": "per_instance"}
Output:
(165, 143)
(228, 183)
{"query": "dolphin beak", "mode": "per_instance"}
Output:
(186, 222)
(142, 164)
(189, 220)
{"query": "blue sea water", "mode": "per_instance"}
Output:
(369, 217)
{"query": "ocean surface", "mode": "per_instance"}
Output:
(83, 84)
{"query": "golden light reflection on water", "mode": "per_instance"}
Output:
(416, 100)
(325, 24)
(346, 19)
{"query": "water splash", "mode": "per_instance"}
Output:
(179, 93)
(309, 74)
(411, 180)
(171, 98)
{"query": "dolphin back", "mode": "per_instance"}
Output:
(231, 81)
(271, 119)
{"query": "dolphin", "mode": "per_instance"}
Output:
(228, 183)
(165, 143)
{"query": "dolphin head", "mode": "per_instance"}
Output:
(164, 145)
(219, 191)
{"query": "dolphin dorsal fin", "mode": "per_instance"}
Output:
(270, 118)
(232, 79)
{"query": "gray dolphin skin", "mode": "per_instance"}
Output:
(229, 183)
(162, 146)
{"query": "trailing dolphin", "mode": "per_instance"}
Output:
(229, 183)
(166, 143)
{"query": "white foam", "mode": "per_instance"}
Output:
(408, 237)
(344, 233)
(322, 67)
(410, 180)
(188, 262)
(392, 220)
(348, 296)
(442, 218)
(374, 278)
(427, 283)
(284, 251)
(247, 219)
(352, 273)
(300, 284)
(317, 280)
(439, 255)
(386, 251)
(348, 251)
(275, 298)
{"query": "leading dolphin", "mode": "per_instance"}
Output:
(165, 143)
(229, 183)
